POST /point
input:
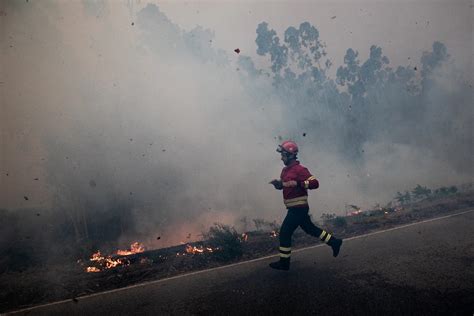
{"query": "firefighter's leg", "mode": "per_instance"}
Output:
(326, 237)
(290, 223)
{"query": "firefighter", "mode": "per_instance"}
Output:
(295, 181)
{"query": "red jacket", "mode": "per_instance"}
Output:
(297, 196)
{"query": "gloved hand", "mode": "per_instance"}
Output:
(290, 184)
(277, 184)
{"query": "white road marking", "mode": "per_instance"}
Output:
(230, 265)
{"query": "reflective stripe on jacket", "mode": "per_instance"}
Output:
(297, 196)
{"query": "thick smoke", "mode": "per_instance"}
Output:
(183, 142)
(385, 127)
(155, 132)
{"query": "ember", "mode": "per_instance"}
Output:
(273, 234)
(244, 237)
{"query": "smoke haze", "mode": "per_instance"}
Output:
(129, 120)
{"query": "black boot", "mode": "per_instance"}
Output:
(335, 245)
(282, 264)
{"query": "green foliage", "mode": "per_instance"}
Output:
(300, 50)
(358, 77)
(443, 191)
(420, 192)
(340, 222)
(226, 239)
(403, 198)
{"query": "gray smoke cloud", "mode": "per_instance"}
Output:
(153, 134)
(138, 128)
(386, 127)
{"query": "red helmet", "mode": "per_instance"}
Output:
(288, 147)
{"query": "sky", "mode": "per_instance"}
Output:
(108, 103)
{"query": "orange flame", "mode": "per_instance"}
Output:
(191, 249)
(108, 262)
(200, 249)
(244, 237)
(273, 234)
(96, 256)
(111, 263)
(136, 247)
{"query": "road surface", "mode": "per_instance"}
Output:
(423, 268)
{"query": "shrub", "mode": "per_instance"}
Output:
(420, 192)
(327, 216)
(403, 198)
(444, 191)
(226, 239)
(263, 225)
(340, 221)
(243, 223)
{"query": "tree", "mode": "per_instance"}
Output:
(431, 60)
(298, 57)
(359, 78)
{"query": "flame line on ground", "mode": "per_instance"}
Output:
(227, 266)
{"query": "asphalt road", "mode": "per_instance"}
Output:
(426, 268)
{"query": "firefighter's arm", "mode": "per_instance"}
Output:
(307, 180)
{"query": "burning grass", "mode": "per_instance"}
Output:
(108, 262)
